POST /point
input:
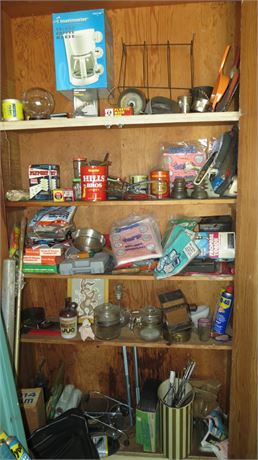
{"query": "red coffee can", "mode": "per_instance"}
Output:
(94, 183)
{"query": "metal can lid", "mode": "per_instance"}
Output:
(12, 100)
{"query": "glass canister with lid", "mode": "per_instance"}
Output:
(149, 324)
(108, 321)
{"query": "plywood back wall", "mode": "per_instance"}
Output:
(211, 23)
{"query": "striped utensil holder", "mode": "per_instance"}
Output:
(176, 425)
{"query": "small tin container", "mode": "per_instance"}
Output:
(160, 187)
(12, 110)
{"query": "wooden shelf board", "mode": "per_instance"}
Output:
(129, 339)
(168, 202)
(23, 8)
(135, 277)
(120, 121)
(135, 451)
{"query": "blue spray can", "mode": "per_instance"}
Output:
(223, 311)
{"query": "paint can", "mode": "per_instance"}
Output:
(12, 110)
(160, 187)
(94, 183)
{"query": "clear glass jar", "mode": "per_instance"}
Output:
(77, 164)
(108, 321)
(149, 324)
(204, 329)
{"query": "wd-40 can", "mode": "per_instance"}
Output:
(223, 311)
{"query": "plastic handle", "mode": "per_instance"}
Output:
(224, 57)
(172, 377)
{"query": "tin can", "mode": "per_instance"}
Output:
(136, 179)
(94, 183)
(160, 188)
(12, 110)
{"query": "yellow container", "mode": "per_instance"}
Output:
(12, 110)
(176, 425)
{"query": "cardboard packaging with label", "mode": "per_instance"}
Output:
(32, 408)
(83, 50)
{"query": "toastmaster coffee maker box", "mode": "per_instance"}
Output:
(83, 50)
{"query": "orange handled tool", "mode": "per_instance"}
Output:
(221, 83)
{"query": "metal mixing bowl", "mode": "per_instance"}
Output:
(88, 239)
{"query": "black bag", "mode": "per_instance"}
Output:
(66, 437)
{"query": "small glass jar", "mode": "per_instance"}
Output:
(77, 189)
(149, 327)
(77, 164)
(108, 321)
(204, 329)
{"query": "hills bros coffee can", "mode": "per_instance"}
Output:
(94, 183)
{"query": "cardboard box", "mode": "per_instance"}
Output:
(147, 429)
(43, 178)
(216, 245)
(32, 408)
(85, 103)
(83, 50)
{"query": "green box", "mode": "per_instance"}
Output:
(39, 268)
(147, 430)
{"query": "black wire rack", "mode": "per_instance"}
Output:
(146, 65)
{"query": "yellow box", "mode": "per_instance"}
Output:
(32, 408)
(60, 195)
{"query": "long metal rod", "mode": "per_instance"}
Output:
(127, 380)
(157, 44)
(19, 298)
(136, 374)
(155, 87)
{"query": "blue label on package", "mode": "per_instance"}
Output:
(83, 49)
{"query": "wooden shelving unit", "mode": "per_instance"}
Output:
(135, 149)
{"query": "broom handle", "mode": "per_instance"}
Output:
(19, 298)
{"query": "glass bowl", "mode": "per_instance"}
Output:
(38, 103)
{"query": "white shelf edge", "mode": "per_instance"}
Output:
(120, 121)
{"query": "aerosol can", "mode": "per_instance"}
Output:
(223, 311)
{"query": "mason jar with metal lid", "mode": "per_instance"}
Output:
(149, 324)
